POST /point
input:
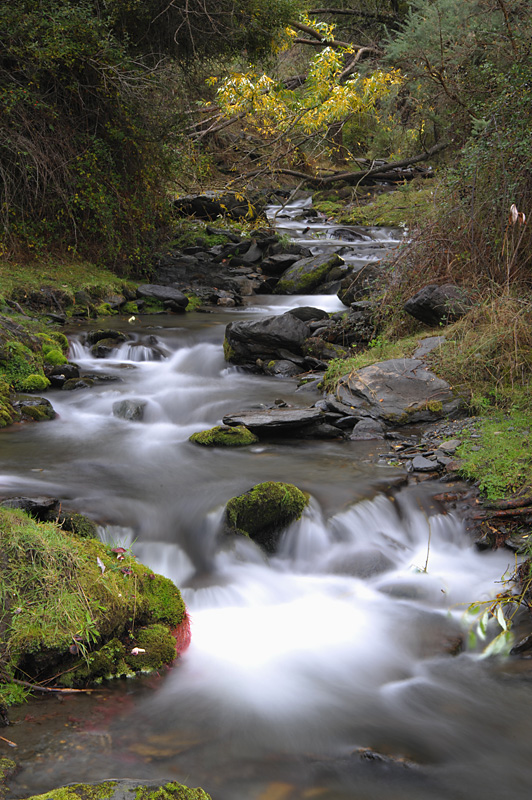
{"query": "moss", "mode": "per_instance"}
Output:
(194, 302)
(63, 593)
(54, 356)
(79, 525)
(301, 281)
(159, 645)
(34, 408)
(8, 415)
(130, 308)
(224, 436)
(229, 353)
(105, 310)
(80, 791)
(171, 791)
(264, 511)
(435, 406)
(7, 769)
(21, 368)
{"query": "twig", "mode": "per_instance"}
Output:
(8, 741)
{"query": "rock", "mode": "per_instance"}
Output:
(422, 464)
(124, 789)
(109, 334)
(367, 429)
(450, 446)
(398, 391)
(263, 512)
(60, 374)
(438, 304)
(427, 345)
(308, 313)
(318, 348)
(37, 507)
(33, 408)
(281, 368)
(77, 383)
(131, 410)
(362, 564)
(276, 421)
(224, 436)
(277, 264)
(211, 205)
(248, 340)
(307, 274)
(162, 294)
(360, 284)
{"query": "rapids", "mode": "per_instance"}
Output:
(339, 643)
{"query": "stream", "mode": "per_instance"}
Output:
(302, 662)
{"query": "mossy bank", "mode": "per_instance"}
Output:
(78, 610)
(124, 790)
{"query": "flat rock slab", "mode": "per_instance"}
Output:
(398, 391)
(264, 338)
(276, 420)
(162, 293)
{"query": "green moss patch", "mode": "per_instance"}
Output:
(109, 790)
(264, 511)
(224, 436)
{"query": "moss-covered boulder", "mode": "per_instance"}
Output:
(263, 512)
(224, 436)
(124, 790)
(78, 610)
(307, 274)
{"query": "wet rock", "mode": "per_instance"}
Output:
(307, 274)
(281, 368)
(163, 294)
(438, 304)
(263, 512)
(77, 383)
(248, 340)
(275, 421)
(60, 374)
(367, 429)
(308, 313)
(40, 508)
(224, 436)
(277, 264)
(398, 391)
(37, 409)
(107, 334)
(131, 410)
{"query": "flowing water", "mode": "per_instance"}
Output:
(339, 643)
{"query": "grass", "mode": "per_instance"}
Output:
(405, 206)
(71, 275)
(500, 461)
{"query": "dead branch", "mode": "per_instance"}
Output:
(50, 690)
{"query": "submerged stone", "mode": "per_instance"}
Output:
(224, 436)
(263, 512)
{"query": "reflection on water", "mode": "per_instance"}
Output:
(341, 641)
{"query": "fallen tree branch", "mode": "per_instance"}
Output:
(8, 741)
(49, 690)
(355, 177)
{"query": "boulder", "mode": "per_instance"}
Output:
(276, 421)
(108, 334)
(224, 436)
(307, 274)
(163, 294)
(246, 341)
(263, 512)
(398, 391)
(33, 408)
(438, 304)
(131, 410)
(360, 284)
